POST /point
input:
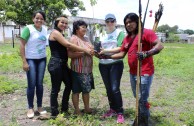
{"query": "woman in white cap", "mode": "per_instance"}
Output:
(111, 70)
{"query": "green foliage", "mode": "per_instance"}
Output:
(10, 63)
(184, 117)
(93, 2)
(171, 99)
(2, 13)
(172, 60)
(188, 31)
(74, 6)
(11, 15)
(86, 120)
(173, 38)
(2, 5)
(7, 85)
(166, 28)
(21, 11)
(176, 93)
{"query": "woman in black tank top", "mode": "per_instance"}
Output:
(58, 67)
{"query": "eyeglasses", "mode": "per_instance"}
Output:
(110, 21)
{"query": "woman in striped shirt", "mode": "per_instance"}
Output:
(81, 66)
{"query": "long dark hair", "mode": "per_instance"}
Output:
(57, 21)
(76, 25)
(132, 17)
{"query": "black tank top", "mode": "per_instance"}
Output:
(58, 50)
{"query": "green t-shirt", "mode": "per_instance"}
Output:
(35, 47)
(120, 38)
(25, 34)
(110, 41)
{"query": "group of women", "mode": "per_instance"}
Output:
(79, 78)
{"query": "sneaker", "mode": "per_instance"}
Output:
(120, 118)
(41, 111)
(30, 113)
(109, 113)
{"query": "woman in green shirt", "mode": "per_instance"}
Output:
(33, 54)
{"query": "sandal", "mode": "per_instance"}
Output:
(87, 112)
(78, 113)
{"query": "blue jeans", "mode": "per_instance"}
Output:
(35, 77)
(146, 82)
(111, 75)
(59, 72)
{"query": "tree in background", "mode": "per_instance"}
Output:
(93, 3)
(175, 29)
(164, 28)
(2, 13)
(173, 38)
(172, 31)
(20, 11)
(74, 6)
(188, 31)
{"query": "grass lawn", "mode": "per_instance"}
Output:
(171, 98)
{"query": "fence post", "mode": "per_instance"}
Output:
(13, 38)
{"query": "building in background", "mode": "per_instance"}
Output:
(10, 31)
(183, 37)
(161, 36)
(191, 39)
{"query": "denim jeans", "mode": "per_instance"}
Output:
(35, 77)
(111, 75)
(59, 72)
(146, 82)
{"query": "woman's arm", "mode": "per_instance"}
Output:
(120, 38)
(72, 54)
(119, 55)
(58, 36)
(22, 54)
(114, 50)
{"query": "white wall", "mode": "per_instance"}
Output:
(6, 32)
(191, 39)
(1, 34)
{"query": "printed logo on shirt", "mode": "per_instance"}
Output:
(110, 37)
(40, 48)
(42, 38)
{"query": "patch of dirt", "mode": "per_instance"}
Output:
(13, 107)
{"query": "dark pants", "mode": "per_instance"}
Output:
(111, 75)
(59, 72)
(35, 77)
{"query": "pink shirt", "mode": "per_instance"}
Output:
(83, 64)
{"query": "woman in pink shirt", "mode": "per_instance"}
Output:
(81, 66)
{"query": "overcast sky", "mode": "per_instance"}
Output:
(176, 12)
